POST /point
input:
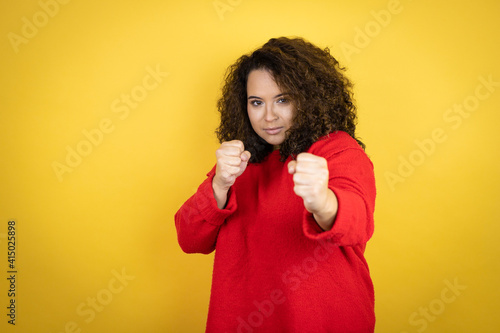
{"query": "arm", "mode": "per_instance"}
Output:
(310, 176)
(232, 160)
(199, 219)
(326, 217)
(340, 209)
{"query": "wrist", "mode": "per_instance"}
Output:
(325, 217)
(220, 194)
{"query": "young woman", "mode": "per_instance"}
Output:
(288, 207)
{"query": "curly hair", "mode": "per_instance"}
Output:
(312, 77)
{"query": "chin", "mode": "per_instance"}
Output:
(274, 141)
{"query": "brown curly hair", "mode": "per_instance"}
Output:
(320, 93)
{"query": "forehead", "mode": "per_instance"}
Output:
(261, 82)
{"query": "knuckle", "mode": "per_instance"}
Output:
(234, 161)
(297, 190)
(296, 177)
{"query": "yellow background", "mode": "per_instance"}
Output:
(114, 212)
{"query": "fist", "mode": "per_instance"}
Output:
(232, 160)
(310, 177)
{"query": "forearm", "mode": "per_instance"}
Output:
(220, 195)
(197, 227)
(325, 217)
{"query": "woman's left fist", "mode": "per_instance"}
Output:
(310, 176)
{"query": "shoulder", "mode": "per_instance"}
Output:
(339, 148)
(345, 157)
(335, 143)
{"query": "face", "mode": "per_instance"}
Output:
(269, 109)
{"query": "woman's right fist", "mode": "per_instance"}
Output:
(232, 160)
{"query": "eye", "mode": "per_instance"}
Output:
(282, 100)
(255, 102)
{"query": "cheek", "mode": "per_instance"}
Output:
(290, 114)
(253, 117)
(249, 114)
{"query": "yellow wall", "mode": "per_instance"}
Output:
(96, 243)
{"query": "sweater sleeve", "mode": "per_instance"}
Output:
(199, 219)
(353, 182)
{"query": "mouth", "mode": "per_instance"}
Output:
(273, 130)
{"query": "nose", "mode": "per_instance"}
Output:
(270, 113)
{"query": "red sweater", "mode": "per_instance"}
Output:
(274, 268)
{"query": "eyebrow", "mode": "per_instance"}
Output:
(279, 95)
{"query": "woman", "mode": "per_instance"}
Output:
(288, 207)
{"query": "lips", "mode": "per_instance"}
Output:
(273, 130)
